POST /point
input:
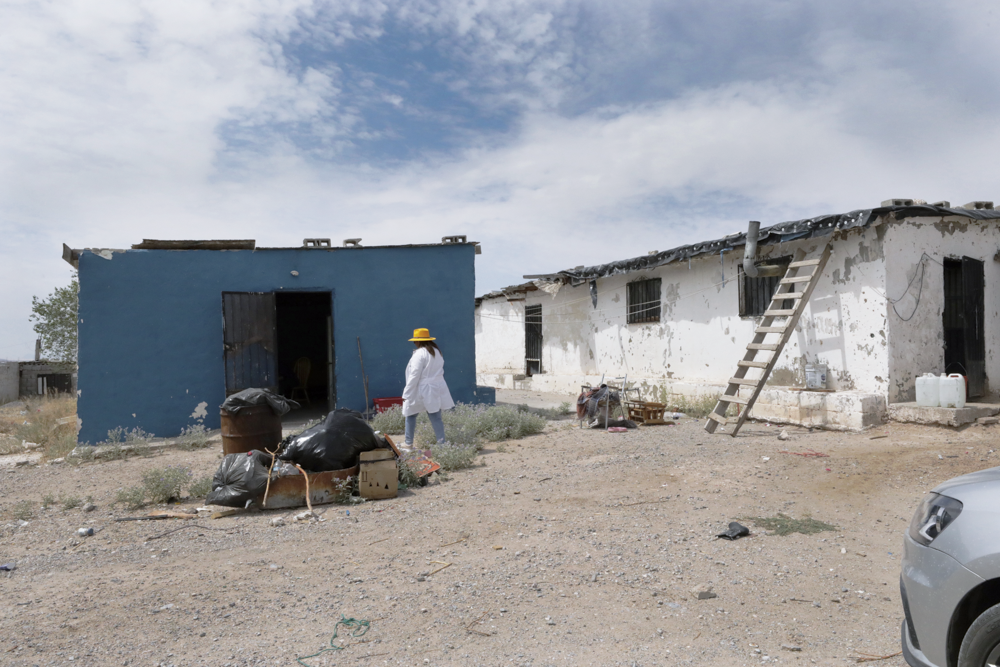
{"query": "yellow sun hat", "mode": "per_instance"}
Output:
(421, 334)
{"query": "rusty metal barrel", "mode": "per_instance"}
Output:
(254, 427)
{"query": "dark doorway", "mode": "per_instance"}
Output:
(964, 339)
(305, 348)
(533, 339)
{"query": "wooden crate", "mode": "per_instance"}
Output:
(646, 412)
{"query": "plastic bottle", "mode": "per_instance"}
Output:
(928, 390)
(953, 391)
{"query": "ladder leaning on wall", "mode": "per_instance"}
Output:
(801, 271)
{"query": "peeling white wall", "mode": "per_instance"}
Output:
(916, 329)
(500, 340)
(695, 346)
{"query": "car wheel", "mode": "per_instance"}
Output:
(981, 646)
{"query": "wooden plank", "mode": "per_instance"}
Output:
(744, 381)
(804, 263)
(752, 364)
(156, 244)
(767, 330)
(733, 399)
(779, 313)
(716, 418)
(796, 279)
(762, 346)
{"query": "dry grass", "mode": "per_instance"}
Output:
(782, 524)
(49, 422)
(692, 406)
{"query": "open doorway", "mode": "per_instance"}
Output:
(305, 349)
(283, 342)
(964, 341)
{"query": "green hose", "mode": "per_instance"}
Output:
(360, 627)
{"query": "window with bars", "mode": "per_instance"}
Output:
(533, 339)
(756, 293)
(644, 301)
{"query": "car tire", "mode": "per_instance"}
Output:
(981, 645)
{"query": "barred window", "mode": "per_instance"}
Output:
(756, 293)
(644, 301)
(533, 339)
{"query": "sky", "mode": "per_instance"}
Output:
(556, 133)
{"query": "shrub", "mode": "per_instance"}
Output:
(474, 424)
(162, 485)
(139, 441)
(201, 487)
(193, 437)
(454, 456)
(390, 421)
(48, 500)
(69, 502)
(132, 498)
(23, 510)
(407, 474)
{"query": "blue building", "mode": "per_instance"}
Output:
(168, 329)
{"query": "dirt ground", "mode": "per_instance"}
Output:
(573, 547)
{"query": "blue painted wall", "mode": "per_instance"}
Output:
(151, 325)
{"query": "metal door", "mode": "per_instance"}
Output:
(249, 340)
(533, 339)
(975, 342)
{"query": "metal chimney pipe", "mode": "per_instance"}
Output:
(750, 255)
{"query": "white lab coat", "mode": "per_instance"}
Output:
(426, 390)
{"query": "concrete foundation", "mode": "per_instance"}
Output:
(911, 413)
(838, 411)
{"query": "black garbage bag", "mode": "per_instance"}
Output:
(333, 445)
(240, 477)
(736, 531)
(249, 397)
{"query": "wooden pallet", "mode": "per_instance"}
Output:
(801, 272)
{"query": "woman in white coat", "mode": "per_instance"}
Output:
(425, 386)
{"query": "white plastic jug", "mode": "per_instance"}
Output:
(953, 391)
(928, 390)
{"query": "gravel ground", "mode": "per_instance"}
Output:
(573, 547)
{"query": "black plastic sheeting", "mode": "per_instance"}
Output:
(823, 225)
(250, 397)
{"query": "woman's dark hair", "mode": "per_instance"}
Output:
(428, 345)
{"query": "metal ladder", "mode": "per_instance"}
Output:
(801, 271)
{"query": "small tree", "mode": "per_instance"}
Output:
(55, 321)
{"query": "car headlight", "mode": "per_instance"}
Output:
(933, 516)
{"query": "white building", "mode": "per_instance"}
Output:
(909, 289)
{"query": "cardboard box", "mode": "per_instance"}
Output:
(378, 476)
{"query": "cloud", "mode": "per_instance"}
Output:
(556, 133)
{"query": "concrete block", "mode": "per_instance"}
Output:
(911, 413)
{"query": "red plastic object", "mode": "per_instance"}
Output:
(383, 404)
